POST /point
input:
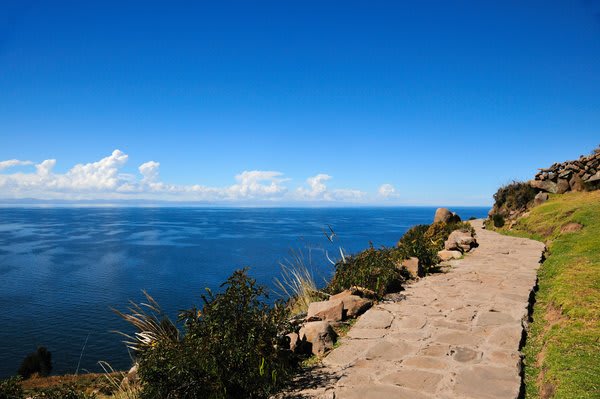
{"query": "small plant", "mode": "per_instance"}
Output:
(420, 242)
(374, 269)
(231, 348)
(498, 220)
(10, 388)
(38, 362)
(298, 284)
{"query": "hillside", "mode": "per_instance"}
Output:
(562, 352)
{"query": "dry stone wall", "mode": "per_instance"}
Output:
(577, 175)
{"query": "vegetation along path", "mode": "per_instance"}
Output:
(455, 335)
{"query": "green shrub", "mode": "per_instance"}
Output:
(374, 269)
(514, 196)
(38, 362)
(232, 348)
(10, 388)
(418, 242)
(498, 220)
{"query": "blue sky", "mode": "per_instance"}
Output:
(378, 102)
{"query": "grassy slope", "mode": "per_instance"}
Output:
(562, 354)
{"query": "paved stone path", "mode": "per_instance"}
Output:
(456, 335)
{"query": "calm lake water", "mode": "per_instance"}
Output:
(63, 269)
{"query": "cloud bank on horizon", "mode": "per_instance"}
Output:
(103, 180)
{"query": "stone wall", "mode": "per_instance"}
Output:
(577, 175)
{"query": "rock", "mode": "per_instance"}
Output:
(412, 265)
(326, 310)
(546, 185)
(446, 255)
(594, 178)
(562, 186)
(342, 295)
(540, 198)
(444, 215)
(131, 377)
(294, 341)
(459, 240)
(576, 183)
(354, 305)
(320, 335)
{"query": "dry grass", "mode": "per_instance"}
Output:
(152, 325)
(297, 283)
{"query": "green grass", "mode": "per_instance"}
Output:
(562, 354)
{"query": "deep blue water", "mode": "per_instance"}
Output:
(62, 269)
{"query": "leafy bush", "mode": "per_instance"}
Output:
(10, 388)
(38, 362)
(417, 241)
(498, 220)
(514, 196)
(232, 348)
(374, 269)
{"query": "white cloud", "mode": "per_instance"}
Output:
(104, 179)
(13, 162)
(258, 183)
(318, 190)
(149, 171)
(387, 191)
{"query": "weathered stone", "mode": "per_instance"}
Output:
(375, 319)
(594, 178)
(488, 382)
(294, 340)
(341, 295)
(132, 377)
(465, 355)
(444, 215)
(419, 380)
(320, 335)
(412, 265)
(326, 310)
(446, 255)
(460, 240)
(546, 185)
(562, 186)
(540, 198)
(355, 305)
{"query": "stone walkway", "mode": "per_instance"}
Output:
(456, 335)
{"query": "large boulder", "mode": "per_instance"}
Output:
(326, 310)
(319, 335)
(562, 185)
(544, 185)
(459, 240)
(444, 215)
(576, 183)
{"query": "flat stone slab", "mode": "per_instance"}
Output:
(455, 335)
